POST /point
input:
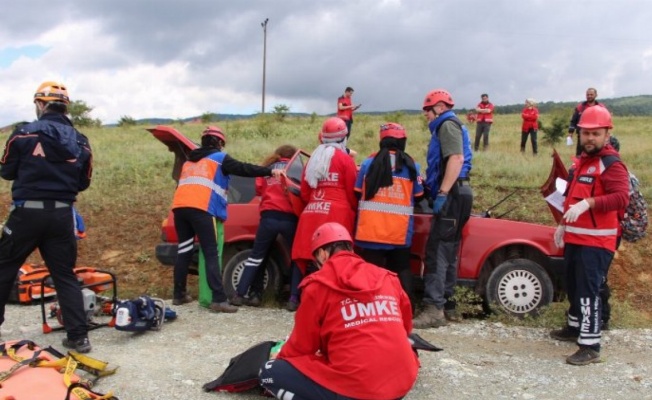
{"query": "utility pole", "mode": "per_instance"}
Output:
(264, 25)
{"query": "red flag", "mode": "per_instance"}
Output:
(558, 170)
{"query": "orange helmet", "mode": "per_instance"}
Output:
(435, 96)
(52, 91)
(214, 131)
(392, 130)
(333, 129)
(330, 232)
(595, 117)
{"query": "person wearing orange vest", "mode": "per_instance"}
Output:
(327, 189)
(389, 184)
(484, 119)
(345, 109)
(199, 204)
(350, 335)
(598, 189)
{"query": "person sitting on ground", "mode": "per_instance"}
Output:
(349, 339)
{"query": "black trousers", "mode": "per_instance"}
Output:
(52, 232)
(286, 382)
(396, 260)
(189, 222)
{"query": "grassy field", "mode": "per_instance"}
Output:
(132, 189)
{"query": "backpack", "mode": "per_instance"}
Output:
(139, 315)
(635, 220)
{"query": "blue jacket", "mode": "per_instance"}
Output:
(436, 166)
(47, 159)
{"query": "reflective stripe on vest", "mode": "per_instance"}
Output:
(591, 232)
(196, 180)
(386, 208)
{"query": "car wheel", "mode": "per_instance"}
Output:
(519, 287)
(233, 272)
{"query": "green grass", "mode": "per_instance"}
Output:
(132, 188)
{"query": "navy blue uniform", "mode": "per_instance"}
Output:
(49, 162)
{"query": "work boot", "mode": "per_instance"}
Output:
(237, 300)
(453, 315)
(430, 317)
(81, 345)
(291, 306)
(223, 307)
(253, 301)
(184, 299)
(565, 334)
(584, 356)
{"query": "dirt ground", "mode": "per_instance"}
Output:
(480, 360)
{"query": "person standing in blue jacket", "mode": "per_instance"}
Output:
(389, 185)
(447, 178)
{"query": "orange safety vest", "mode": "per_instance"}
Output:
(386, 217)
(591, 228)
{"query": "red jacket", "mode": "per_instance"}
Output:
(273, 195)
(350, 332)
(489, 117)
(530, 117)
(344, 114)
(599, 226)
(333, 200)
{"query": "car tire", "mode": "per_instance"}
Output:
(519, 287)
(233, 271)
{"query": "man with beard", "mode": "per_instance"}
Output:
(597, 190)
(591, 95)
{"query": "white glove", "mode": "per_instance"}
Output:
(569, 140)
(576, 210)
(559, 236)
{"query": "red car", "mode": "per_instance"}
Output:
(513, 265)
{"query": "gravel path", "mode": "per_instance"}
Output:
(480, 359)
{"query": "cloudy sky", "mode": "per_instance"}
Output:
(177, 59)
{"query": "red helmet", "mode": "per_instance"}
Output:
(328, 233)
(435, 96)
(214, 131)
(52, 91)
(392, 130)
(595, 117)
(333, 129)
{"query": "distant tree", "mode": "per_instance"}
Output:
(313, 117)
(207, 117)
(80, 114)
(558, 127)
(126, 120)
(281, 112)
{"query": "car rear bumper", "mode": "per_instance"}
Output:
(166, 254)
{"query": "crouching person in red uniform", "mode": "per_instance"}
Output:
(350, 333)
(598, 189)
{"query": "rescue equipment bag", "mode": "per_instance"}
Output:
(139, 315)
(27, 286)
(28, 372)
(635, 221)
(242, 372)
